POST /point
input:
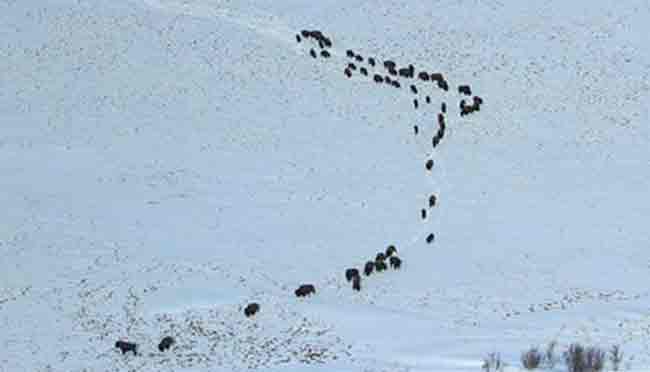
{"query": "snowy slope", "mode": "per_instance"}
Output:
(165, 162)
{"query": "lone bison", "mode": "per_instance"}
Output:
(351, 273)
(395, 262)
(370, 266)
(251, 309)
(127, 346)
(166, 343)
(415, 129)
(312, 53)
(304, 290)
(430, 238)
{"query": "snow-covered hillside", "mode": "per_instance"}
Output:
(166, 162)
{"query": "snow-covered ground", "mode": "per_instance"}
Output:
(165, 162)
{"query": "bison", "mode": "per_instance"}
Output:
(358, 58)
(351, 273)
(352, 66)
(371, 61)
(391, 250)
(436, 76)
(389, 65)
(378, 78)
(424, 76)
(429, 164)
(392, 71)
(396, 84)
(298, 38)
(442, 84)
(380, 266)
(304, 290)
(368, 268)
(356, 283)
(395, 262)
(324, 54)
(465, 89)
(432, 201)
(415, 103)
(363, 71)
(347, 72)
(430, 238)
(428, 99)
(166, 343)
(349, 53)
(125, 346)
(312, 53)
(423, 213)
(380, 256)
(443, 108)
(251, 309)
(414, 89)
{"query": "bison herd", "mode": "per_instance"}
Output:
(390, 76)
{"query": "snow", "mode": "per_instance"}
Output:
(166, 162)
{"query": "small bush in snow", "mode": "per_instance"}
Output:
(492, 363)
(550, 359)
(581, 359)
(531, 359)
(616, 357)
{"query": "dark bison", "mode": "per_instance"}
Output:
(396, 84)
(414, 89)
(347, 72)
(351, 273)
(380, 266)
(441, 120)
(424, 76)
(378, 78)
(428, 99)
(392, 71)
(466, 110)
(423, 212)
(166, 343)
(432, 201)
(429, 164)
(368, 268)
(349, 53)
(305, 33)
(127, 346)
(389, 65)
(298, 38)
(415, 103)
(304, 290)
(380, 256)
(352, 66)
(324, 54)
(321, 44)
(436, 76)
(371, 61)
(442, 84)
(436, 140)
(443, 108)
(327, 42)
(358, 58)
(415, 129)
(388, 80)
(251, 309)
(478, 100)
(312, 53)
(391, 250)
(403, 72)
(430, 238)
(395, 262)
(363, 71)
(356, 283)
(465, 89)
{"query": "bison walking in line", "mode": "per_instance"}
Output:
(304, 290)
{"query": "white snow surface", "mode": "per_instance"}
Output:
(166, 162)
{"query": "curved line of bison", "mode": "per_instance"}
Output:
(387, 73)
